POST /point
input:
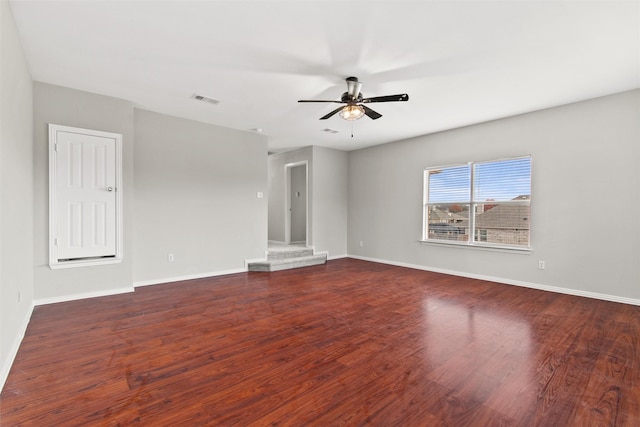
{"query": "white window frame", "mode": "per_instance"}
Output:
(472, 207)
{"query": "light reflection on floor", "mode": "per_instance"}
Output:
(478, 339)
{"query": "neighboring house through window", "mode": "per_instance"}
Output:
(479, 203)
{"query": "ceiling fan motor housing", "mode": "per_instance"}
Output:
(346, 97)
(353, 88)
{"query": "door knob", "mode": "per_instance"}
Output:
(109, 188)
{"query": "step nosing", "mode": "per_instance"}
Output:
(286, 263)
(291, 260)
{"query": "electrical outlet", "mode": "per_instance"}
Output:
(170, 257)
(541, 265)
(19, 296)
(361, 244)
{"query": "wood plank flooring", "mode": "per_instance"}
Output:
(349, 343)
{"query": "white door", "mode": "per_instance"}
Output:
(85, 195)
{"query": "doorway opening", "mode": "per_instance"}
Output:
(296, 228)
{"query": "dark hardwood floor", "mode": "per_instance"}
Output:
(346, 343)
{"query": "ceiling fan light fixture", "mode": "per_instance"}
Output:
(352, 112)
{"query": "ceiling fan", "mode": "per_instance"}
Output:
(355, 108)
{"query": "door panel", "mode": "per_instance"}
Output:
(86, 195)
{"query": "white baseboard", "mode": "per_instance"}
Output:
(332, 257)
(73, 297)
(13, 349)
(557, 289)
(187, 277)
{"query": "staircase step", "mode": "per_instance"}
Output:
(287, 263)
(284, 253)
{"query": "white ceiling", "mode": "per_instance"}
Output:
(461, 62)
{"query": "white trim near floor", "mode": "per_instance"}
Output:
(556, 289)
(85, 295)
(13, 349)
(187, 277)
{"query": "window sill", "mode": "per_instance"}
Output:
(485, 247)
(84, 263)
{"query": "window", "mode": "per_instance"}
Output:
(479, 203)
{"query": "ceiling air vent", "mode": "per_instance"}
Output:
(205, 99)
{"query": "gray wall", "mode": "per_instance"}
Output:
(330, 191)
(69, 107)
(16, 195)
(196, 191)
(585, 197)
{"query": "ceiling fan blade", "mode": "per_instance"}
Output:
(319, 100)
(325, 117)
(387, 98)
(373, 115)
